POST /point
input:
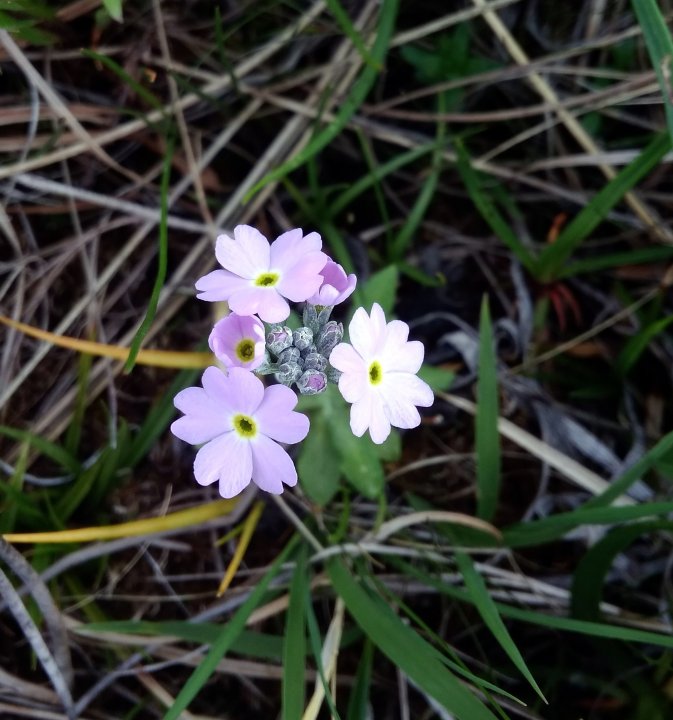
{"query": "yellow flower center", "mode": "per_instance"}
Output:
(375, 373)
(267, 279)
(245, 350)
(245, 426)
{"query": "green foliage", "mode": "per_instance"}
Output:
(114, 9)
(487, 437)
(21, 18)
(294, 643)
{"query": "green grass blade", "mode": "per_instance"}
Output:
(359, 698)
(294, 644)
(639, 342)
(542, 531)
(51, 450)
(487, 438)
(14, 485)
(222, 643)
(489, 614)
(162, 263)
(554, 257)
(641, 256)
(359, 92)
(589, 576)
(618, 487)
(660, 47)
(489, 212)
(404, 647)
(341, 16)
(74, 432)
(377, 174)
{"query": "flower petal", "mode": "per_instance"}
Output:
(266, 302)
(289, 246)
(276, 417)
(219, 285)
(203, 419)
(361, 414)
(271, 466)
(360, 335)
(344, 357)
(245, 391)
(405, 359)
(379, 425)
(408, 388)
(302, 279)
(246, 254)
(226, 459)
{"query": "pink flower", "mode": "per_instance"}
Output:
(379, 374)
(257, 277)
(336, 286)
(238, 341)
(241, 424)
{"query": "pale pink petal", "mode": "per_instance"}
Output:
(378, 326)
(227, 460)
(379, 425)
(406, 359)
(397, 333)
(229, 332)
(245, 391)
(336, 286)
(216, 385)
(276, 418)
(219, 285)
(361, 412)
(408, 388)
(246, 254)
(399, 410)
(271, 466)
(345, 358)
(289, 246)
(360, 333)
(203, 419)
(265, 302)
(302, 279)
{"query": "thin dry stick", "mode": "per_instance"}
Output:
(575, 128)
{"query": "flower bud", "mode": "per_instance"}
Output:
(315, 361)
(288, 373)
(290, 355)
(309, 350)
(303, 337)
(312, 382)
(310, 317)
(329, 337)
(278, 338)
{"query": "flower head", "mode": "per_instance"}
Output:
(336, 285)
(258, 276)
(379, 374)
(238, 341)
(241, 424)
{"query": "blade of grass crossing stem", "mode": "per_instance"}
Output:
(583, 627)
(341, 16)
(162, 262)
(223, 642)
(553, 258)
(294, 643)
(489, 614)
(489, 212)
(413, 221)
(404, 647)
(630, 258)
(55, 452)
(358, 93)
(660, 47)
(487, 438)
(639, 342)
(551, 528)
(359, 698)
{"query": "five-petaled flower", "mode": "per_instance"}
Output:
(258, 276)
(241, 424)
(336, 286)
(238, 341)
(379, 374)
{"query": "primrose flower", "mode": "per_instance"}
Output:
(336, 285)
(379, 374)
(258, 277)
(241, 424)
(238, 341)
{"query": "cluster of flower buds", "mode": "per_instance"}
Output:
(240, 421)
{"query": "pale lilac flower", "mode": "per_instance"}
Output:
(241, 424)
(379, 374)
(258, 277)
(238, 341)
(336, 285)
